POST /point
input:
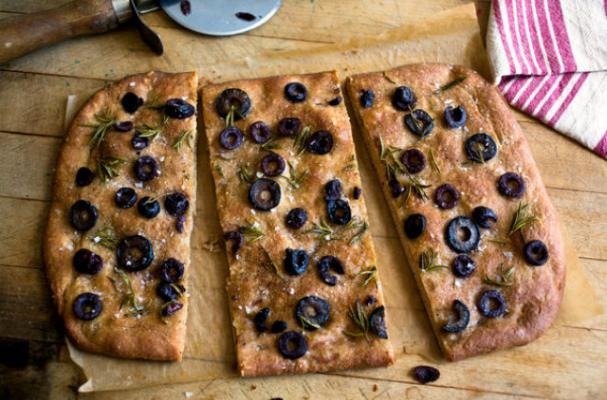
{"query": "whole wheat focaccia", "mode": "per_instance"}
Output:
(303, 285)
(117, 245)
(480, 234)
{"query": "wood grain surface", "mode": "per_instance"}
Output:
(33, 91)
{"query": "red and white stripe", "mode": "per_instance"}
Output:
(545, 65)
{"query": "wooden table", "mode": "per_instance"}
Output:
(33, 91)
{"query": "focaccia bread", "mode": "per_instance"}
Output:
(480, 234)
(303, 286)
(117, 245)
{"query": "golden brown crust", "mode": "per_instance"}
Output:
(253, 284)
(535, 294)
(112, 332)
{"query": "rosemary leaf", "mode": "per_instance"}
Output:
(129, 297)
(270, 145)
(307, 323)
(502, 279)
(418, 187)
(301, 140)
(272, 263)
(184, 136)
(433, 163)
(295, 179)
(418, 124)
(105, 237)
(252, 232)
(522, 218)
(107, 168)
(323, 230)
(369, 275)
(449, 85)
(218, 169)
(428, 262)
(358, 315)
(244, 175)
(386, 77)
(101, 128)
(362, 228)
(498, 241)
(230, 117)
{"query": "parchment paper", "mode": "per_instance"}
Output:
(452, 37)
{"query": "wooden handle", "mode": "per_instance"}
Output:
(24, 34)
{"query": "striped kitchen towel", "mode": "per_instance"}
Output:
(549, 60)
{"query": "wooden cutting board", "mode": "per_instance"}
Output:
(33, 91)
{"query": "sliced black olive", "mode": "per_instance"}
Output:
(260, 319)
(131, 102)
(480, 147)
(139, 142)
(273, 165)
(171, 270)
(461, 320)
(320, 142)
(180, 223)
(296, 218)
(235, 101)
(536, 253)
(511, 185)
(446, 196)
(455, 117)
(356, 192)
(237, 239)
(335, 102)
(146, 168)
(292, 345)
(171, 308)
(134, 253)
(484, 217)
(231, 138)
(419, 122)
(462, 235)
(425, 374)
(377, 322)
(279, 326)
(296, 92)
(370, 300)
(327, 264)
(403, 98)
(289, 127)
(333, 189)
(396, 188)
(296, 261)
(125, 197)
(264, 194)
(179, 109)
(260, 132)
(176, 204)
(491, 304)
(84, 177)
(463, 266)
(148, 207)
(169, 291)
(312, 312)
(123, 126)
(415, 225)
(87, 262)
(367, 97)
(413, 160)
(87, 306)
(83, 215)
(339, 212)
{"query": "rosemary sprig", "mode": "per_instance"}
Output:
(522, 218)
(184, 136)
(301, 139)
(386, 77)
(295, 179)
(449, 85)
(244, 175)
(362, 227)
(270, 145)
(101, 128)
(107, 168)
(252, 232)
(358, 315)
(498, 240)
(218, 169)
(387, 154)
(272, 263)
(148, 131)
(418, 124)
(369, 275)
(418, 187)
(105, 237)
(307, 323)
(129, 299)
(428, 263)
(230, 117)
(502, 278)
(433, 163)
(323, 230)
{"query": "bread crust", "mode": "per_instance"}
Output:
(253, 284)
(112, 333)
(535, 294)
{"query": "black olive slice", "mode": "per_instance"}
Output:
(312, 312)
(148, 207)
(171, 270)
(396, 188)
(339, 212)
(260, 132)
(131, 102)
(462, 318)
(87, 262)
(84, 177)
(125, 197)
(296, 218)
(296, 92)
(484, 217)
(87, 306)
(296, 261)
(327, 264)
(146, 168)
(367, 97)
(403, 98)
(335, 101)
(480, 148)
(463, 266)
(425, 374)
(264, 194)
(260, 319)
(171, 308)
(235, 101)
(536, 253)
(462, 235)
(279, 326)
(415, 225)
(134, 253)
(273, 165)
(237, 239)
(511, 185)
(123, 126)
(413, 160)
(83, 215)
(231, 138)
(446, 196)
(289, 127)
(491, 304)
(455, 117)
(356, 192)
(333, 190)
(377, 322)
(320, 143)
(292, 345)
(169, 291)
(179, 109)
(139, 142)
(176, 204)
(419, 122)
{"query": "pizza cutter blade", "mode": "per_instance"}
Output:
(220, 17)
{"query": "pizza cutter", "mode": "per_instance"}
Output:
(24, 34)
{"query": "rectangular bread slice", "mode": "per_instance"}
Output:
(117, 244)
(490, 277)
(291, 311)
